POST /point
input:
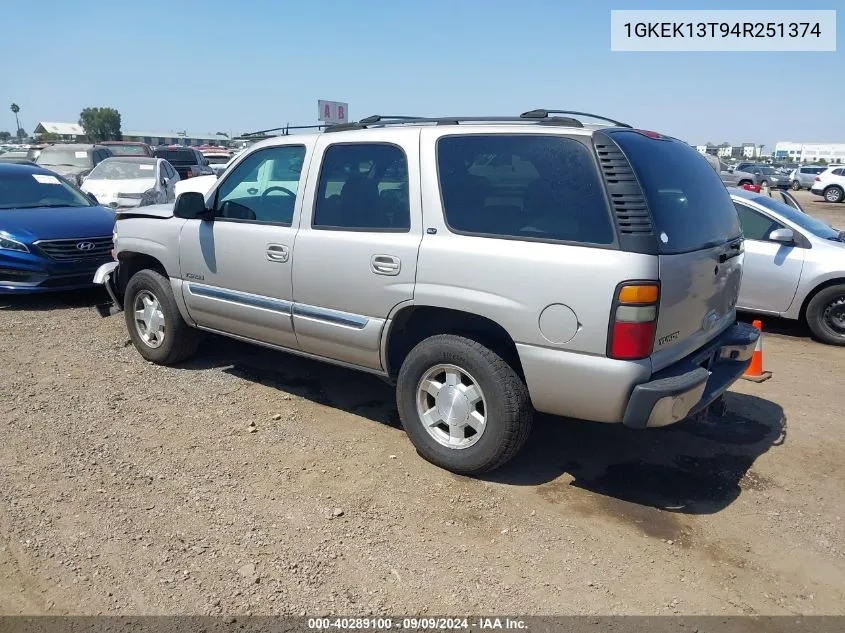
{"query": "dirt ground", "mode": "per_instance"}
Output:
(135, 489)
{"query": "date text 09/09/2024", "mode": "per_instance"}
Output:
(417, 624)
(722, 29)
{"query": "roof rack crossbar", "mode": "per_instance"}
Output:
(541, 113)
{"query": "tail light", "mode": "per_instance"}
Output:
(818, 179)
(634, 320)
(189, 174)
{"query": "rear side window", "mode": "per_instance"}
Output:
(690, 207)
(523, 186)
(363, 187)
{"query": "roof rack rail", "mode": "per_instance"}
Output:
(284, 131)
(378, 120)
(545, 114)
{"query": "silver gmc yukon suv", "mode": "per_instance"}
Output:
(489, 267)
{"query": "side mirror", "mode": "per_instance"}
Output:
(191, 206)
(206, 162)
(92, 198)
(782, 236)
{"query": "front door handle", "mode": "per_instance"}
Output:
(385, 265)
(277, 253)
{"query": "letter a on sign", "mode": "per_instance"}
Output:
(327, 112)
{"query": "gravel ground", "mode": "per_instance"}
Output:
(248, 481)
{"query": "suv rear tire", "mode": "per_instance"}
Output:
(834, 194)
(458, 380)
(796, 186)
(156, 327)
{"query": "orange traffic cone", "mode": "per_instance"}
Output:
(755, 371)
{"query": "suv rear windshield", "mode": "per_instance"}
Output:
(529, 186)
(177, 156)
(689, 205)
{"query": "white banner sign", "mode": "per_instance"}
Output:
(332, 111)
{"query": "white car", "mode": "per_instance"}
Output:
(830, 184)
(128, 181)
(218, 161)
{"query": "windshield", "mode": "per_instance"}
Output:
(767, 170)
(688, 201)
(128, 150)
(807, 222)
(25, 190)
(60, 157)
(114, 169)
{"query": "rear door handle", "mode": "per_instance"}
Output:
(385, 265)
(277, 253)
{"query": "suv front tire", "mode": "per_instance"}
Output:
(156, 327)
(463, 407)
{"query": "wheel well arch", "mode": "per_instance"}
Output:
(415, 323)
(802, 315)
(131, 262)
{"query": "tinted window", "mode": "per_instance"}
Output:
(177, 156)
(755, 226)
(25, 190)
(363, 186)
(689, 204)
(808, 222)
(524, 186)
(838, 172)
(263, 187)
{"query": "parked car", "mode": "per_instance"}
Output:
(480, 267)
(125, 181)
(187, 161)
(830, 184)
(52, 236)
(218, 161)
(735, 177)
(804, 177)
(128, 148)
(766, 176)
(16, 157)
(73, 161)
(794, 265)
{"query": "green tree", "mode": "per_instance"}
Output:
(222, 134)
(821, 161)
(49, 136)
(16, 108)
(100, 124)
(5, 136)
(21, 132)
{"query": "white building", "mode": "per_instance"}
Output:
(65, 131)
(750, 150)
(810, 152)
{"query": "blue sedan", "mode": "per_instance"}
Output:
(52, 236)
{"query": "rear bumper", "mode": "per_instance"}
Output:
(693, 383)
(818, 192)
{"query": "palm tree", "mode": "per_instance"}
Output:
(16, 108)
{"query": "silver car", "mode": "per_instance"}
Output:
(487, 267)
(794, 264)
(804, 177)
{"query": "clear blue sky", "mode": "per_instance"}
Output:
(242, 65)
